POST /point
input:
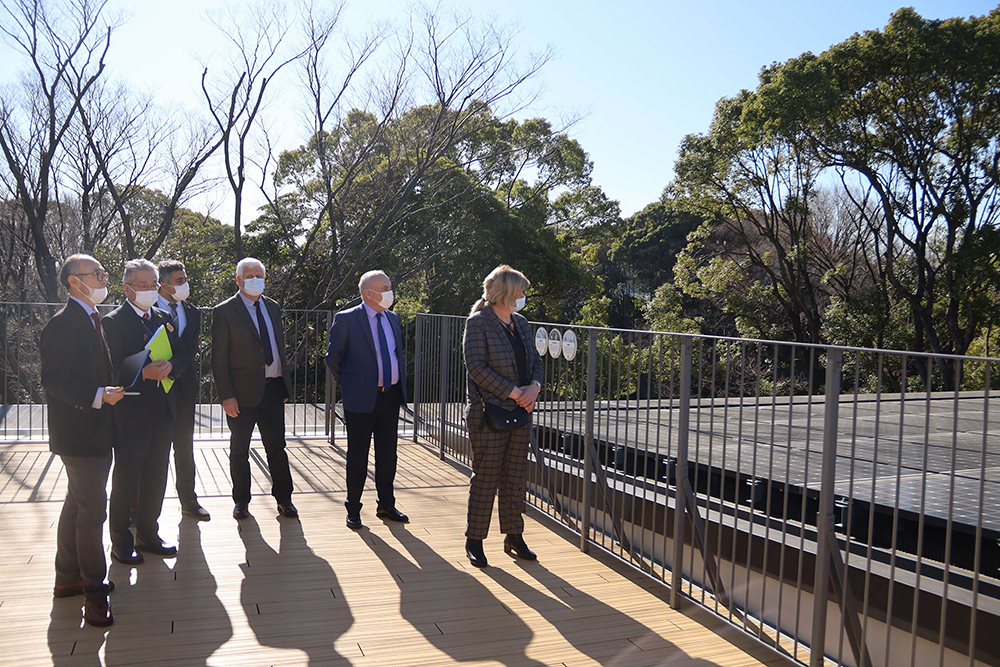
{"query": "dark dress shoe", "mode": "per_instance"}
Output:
(241, 511)
(98, 612)
(130, 557)
(197, 511)
(158, 548)
(288, 509)
(353, 520)
(392, 514)
(474, 550)
(515, 544)
(69, 590)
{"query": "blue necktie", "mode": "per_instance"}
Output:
(265, 338)
(383, 346)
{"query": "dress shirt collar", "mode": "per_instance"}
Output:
(141, 313)
(86, 306)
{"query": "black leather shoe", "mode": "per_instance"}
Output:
(69, 590)
(130, 557)
(474, 550)
(158, 548)
(353, 520)
(515, 544)
(98, 612)
(288, 509)
(197, 511)
(392, 514)
(241, 511)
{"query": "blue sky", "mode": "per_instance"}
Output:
(642, 74)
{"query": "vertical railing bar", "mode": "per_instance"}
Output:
(775, 363)
(443, 396)
(713, 396)
(753, 480)
(683, 421)
(794, 354)
(921, 516)
(739, 461)
(588, 441)
(824, 523)
(871, 505)
(904, 381)
(952, 474)
(417, 373)
(977, 557)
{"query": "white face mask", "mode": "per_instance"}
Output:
(146, 299)
(182, 291)
(387, 298)
(96, 294)
(253, 286)
(519, 304)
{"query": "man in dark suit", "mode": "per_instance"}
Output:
(76, 375)
(253, 381)
(143, 419)
(365, 356)
(174, 292)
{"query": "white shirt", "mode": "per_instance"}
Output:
(390, 340)
(182, 317)
(273, 370)
(99, 396)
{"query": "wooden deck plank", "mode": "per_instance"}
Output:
(274, 591)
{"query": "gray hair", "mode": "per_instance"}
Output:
(367, 277)
(69, 266)
(248, 261)
(134, 266)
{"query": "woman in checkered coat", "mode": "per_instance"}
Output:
(504, 369)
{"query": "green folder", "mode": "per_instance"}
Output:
(159, 348)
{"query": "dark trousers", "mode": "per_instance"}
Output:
(269, 418)
(80, 535)
(140, 476)
(183, 441)
(382, 423)
(499, 469)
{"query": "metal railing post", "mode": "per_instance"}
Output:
(330, 387)
(681, 472)
(588, 442)
(416, 375)
(445, 331)
(825, 520)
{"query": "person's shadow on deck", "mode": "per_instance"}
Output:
(69, 644)
(618, 638)
(451, 608)
(291, 596)
(168, 611)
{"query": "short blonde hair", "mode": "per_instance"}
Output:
(502, 286)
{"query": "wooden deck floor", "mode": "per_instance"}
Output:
(270, 591)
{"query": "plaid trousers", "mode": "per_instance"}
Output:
(499, 468)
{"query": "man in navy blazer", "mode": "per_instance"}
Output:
(143, 419)
(365, 356)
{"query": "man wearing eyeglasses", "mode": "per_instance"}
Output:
(144, 418)
(77, 378)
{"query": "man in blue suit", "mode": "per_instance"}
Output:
(365, 356)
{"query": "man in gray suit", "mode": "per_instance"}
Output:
(253, 381)
(365, 356)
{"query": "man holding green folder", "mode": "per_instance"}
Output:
(144, 417)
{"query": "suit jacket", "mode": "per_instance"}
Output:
(490, 361)
(351, 358)
(127, 333)
(238, 353)
(74, 366)
(187, 382)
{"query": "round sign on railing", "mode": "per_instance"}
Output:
(541, 341)
(569, 345)
(555, 344)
